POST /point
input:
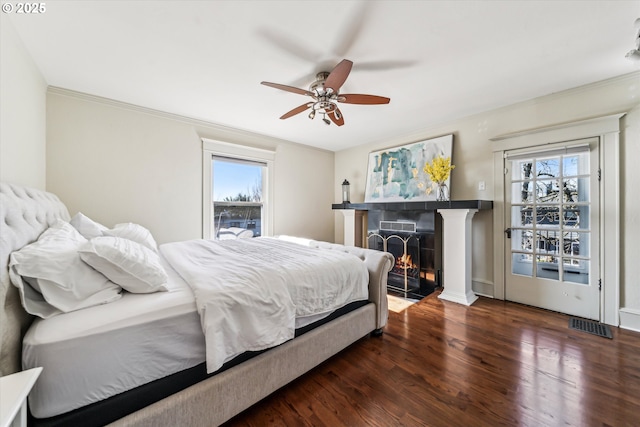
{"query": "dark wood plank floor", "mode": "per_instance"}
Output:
(494, 363)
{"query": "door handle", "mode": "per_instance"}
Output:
(508, 232)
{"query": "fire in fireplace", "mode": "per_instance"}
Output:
(405, 263)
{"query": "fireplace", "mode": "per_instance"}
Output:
(414, 242)
(427, 219)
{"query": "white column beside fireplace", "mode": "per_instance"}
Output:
(355, 227)
(456, 255)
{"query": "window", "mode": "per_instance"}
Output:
(237, 187)
(237, 197)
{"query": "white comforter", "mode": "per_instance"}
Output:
(249, 292)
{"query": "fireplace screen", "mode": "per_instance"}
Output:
(405, 274)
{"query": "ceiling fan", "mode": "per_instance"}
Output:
(325, 92)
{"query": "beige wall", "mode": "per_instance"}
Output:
(22, 113)
(473, 157)
(118, 163)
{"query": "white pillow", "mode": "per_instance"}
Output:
(129, 264)
(134, 232)
(86, 226)
(53, 279)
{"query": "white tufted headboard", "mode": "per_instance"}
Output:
(24, 214)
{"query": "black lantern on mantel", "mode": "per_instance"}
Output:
(345, 191)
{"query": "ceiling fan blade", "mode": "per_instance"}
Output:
(355, 98)
(297, 110)
(339, 75)
(288, 88)
(336, 116)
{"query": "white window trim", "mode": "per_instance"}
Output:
(607, 128)
(211, 148)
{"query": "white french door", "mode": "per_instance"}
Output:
(552, 214)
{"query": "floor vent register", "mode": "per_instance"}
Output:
(591, 327)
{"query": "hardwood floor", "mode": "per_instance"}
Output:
(443, 364)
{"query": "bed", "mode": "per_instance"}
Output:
(183, 383)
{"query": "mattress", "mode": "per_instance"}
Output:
(93, 354)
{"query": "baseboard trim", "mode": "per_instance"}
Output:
(630, 319)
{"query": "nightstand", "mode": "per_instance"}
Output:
(14, 390)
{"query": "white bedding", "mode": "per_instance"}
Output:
(92, 354)
(95, 353)
(248, 292)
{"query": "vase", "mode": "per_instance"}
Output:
(442, 192)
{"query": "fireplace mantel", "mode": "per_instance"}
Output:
(456, 217)
(417, 206)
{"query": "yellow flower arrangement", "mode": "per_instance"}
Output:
(439, 169)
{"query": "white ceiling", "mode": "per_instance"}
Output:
(436, 60)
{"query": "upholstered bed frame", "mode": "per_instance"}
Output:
(25, 213)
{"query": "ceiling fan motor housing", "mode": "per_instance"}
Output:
(318, 85)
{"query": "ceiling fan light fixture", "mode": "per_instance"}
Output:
(326, 121)
(312, 114)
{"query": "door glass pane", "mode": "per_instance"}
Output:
(570, 190)
(527, 192)
(575, 190)
(576, 271)
(547, 191)
(575, 217)
(547, 267)
(522, 264)
(570, 165)
(571, 217)
(547, 242)
(548, 168)
(521, 216)
(576, 244)
(522, 240)
(522, 192)
(524, 170)
(575, 165)
(547, 216)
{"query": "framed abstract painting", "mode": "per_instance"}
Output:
(397, 174)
